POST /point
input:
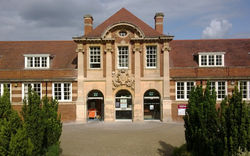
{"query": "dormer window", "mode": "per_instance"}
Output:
(213, 59)
(37, 61)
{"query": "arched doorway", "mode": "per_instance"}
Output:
(123, 105)
(152, 105)
(95, 105)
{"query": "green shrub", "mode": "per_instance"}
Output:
(54, 150)
(214, 132)
(34, 121)
(181, 151)
(20, 144)
(52, 122)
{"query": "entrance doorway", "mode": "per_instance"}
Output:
(95, 105)
(152, 105)
(123, 105)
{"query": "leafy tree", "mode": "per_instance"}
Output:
(33, 120)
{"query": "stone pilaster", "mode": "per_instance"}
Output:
(166, 109)
(109, 107)
(138, 103)
(81, 109)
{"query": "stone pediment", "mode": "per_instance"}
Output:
(123, 78)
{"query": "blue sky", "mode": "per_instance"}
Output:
(63, 19)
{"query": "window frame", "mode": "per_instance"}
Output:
(34, 56)
(185, 90)
(118, 54)
(216, 89)
(2, 89)
(247, 89)
(213, 59)
(62, 91)
(156, 57)
(32, 86)
(90, 57)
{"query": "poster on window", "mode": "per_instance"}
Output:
(182, 109)
(123, 103)
(151, 107)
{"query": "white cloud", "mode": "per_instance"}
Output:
(217, 29)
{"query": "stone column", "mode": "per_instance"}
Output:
(166, 105)
(138, 103)
(109, 107)
(81, 109)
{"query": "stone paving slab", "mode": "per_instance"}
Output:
(150, 138)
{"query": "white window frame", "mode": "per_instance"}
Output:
(185, 90)
(32, 86)
(151, 67)
(90, 57)
(216, 89)
(247, 90)
(214, 54)
(2, 89)
(118, 65)
(62, 91)
(33, 61)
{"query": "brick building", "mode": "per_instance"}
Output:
(123, 70)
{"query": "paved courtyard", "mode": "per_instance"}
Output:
(150, 138)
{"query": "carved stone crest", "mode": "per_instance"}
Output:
(122, 78)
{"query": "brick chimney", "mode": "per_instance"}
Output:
(159, 22)
(88, 24)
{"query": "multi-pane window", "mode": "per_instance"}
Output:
(245, 87)
(220, 87)
(151, 56)
(203, 60)
(218, 60)
(36, 61)
(62, 91)
(37, 87)
(2, 88)
(183, 90)
(211, 59)
(123, 57)
(95, 57)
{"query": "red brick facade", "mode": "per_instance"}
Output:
(183, 61)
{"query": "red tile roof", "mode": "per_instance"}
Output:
(63, 53)
(181, 55)
(183, 51)
(123, 15)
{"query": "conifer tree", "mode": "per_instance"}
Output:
(20, 144)
(53, 125)
(235, 123)
(201, 122)
(9, 122)
(34, 121)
